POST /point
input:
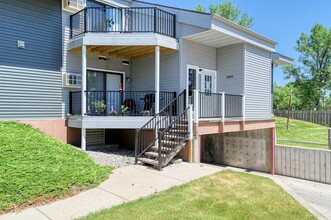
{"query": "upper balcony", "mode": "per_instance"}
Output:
(122, 20)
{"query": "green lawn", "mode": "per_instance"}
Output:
(301, 131)
(225, 195)
(35, 168)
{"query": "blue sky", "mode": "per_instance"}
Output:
(281, 20)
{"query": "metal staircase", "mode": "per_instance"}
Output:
(165, 135)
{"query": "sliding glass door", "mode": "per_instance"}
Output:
(103, 93)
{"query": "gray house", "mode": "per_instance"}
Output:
(161, 80)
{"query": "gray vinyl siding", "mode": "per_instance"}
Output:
(143, 73)
(257, 83)
(38, 24)
(29, 93)
(30, 78)
(230, 62)
(197, 55)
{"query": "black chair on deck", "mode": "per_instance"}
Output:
(131, 105)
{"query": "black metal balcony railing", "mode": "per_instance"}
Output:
(110, 19)
(118, 103)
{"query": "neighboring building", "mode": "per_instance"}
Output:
(92, 73)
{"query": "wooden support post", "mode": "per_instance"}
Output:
(329, 138)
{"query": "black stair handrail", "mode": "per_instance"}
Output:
(179, 136)
(144, 139)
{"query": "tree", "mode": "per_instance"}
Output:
(313, 76)
(282, 94)
(229, 11)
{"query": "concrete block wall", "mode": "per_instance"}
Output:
(247, 149)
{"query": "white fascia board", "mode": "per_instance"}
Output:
(114, 122)
(223, 25)
(120, 3)
(136, 39)
(281, 60)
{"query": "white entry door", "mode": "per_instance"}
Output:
(208, 81)
(113, 94)
(208, 101)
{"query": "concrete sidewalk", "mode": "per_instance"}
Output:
(134, 182)
(317, 195)
(125, 184)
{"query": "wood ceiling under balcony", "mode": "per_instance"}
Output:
(124, 52)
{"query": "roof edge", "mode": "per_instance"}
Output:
(241, 28)
(176, 8)
(281, 60)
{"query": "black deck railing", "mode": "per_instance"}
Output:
(126, 20)
(118, 103)
(211, 104)
(233, 106)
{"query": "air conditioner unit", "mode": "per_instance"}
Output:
(72, 80)
(74, 5)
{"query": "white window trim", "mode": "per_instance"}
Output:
(66, 80)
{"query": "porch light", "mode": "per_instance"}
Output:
(128, 79)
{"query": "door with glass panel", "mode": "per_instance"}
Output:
(114, 96)
(103, 93)
(209, 100)
(205, 81)
(102, 18)
(192, 83)
(95, 95)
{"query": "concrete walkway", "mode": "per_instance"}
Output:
(317, 195)
(134, 182)
(125, 184)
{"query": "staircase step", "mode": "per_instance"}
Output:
(176, 161)
(173, 136)
(181, 125)
(156, 149)
(153, 155)
(174, 130)
(173, 143)
(148, 161)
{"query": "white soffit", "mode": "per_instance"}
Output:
(213, 38)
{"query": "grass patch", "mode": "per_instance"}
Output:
(301, 131)
(35, 168)
(225, 195)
